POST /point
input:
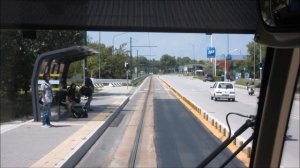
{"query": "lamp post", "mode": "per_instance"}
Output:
(234, 50)
(137, 63)
(228, 53)
(254, 62)
(193, 56)
(99, 54)
(215, 60)
(131, 46)
(225, 67)
(113, 46)
(260, 63)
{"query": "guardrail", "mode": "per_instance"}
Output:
(117, 82)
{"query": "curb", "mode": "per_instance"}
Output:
(73, 158)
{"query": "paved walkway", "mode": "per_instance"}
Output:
(27, 144)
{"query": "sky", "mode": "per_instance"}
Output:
(193, 45)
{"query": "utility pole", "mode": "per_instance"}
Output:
(254, 62)
(260, 63)
(131, 46)
(137, 63)
(215, 64)
(225, 78)
(130, 57)
(99, 55)
(113, 43)
(194, 58)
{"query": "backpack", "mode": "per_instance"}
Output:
(86, 91)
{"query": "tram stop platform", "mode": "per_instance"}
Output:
(27, 144)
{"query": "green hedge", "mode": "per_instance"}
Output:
(240, 82)
(244, 81)
(218, 78)
(21, 107)
(137, 81)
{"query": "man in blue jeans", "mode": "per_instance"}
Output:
(47, 97)
(89, 84)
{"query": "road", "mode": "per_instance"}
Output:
(197, 91)
(171, 135)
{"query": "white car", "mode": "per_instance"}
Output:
(222, 90)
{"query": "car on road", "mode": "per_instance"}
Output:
(209, 77)
(222, 90)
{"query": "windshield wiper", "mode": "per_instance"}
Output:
(248, 124)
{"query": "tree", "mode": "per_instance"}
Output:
(208, 67)
(250, 58)
(111, 66)
(18, 55)
(183, 61)
(168, 63)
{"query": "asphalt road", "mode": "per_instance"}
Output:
(197, 91)
(180, 139)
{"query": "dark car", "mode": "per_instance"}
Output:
(209, 77)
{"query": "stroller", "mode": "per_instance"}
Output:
(79, 111)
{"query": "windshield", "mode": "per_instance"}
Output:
(225, 86)
(159, 75)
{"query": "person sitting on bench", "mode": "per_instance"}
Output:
(72, 98)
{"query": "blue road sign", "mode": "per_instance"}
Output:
(228, 57)
(211, 52)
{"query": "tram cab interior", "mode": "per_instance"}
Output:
(275, 24)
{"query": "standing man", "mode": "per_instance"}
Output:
(89, 84)
(47, 97)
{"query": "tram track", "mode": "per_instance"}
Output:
(135, 149)
(134, 145)
(176, 140)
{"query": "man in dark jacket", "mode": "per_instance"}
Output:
(89, 84)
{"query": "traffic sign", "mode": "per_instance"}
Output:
(211, 52)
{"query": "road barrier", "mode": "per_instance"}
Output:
(115, 84)
(98, 86)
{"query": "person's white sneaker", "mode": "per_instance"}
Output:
(46, 126)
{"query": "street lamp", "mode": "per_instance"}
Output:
(260, 63)
(193, 56)
(113, 46)
(131, 46)
(215, 60)
(226, 58)
(254, 62)
(99, 55)
(234, 50)
(228, 53)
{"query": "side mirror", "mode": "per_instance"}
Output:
(280, 15)
(278, 24)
